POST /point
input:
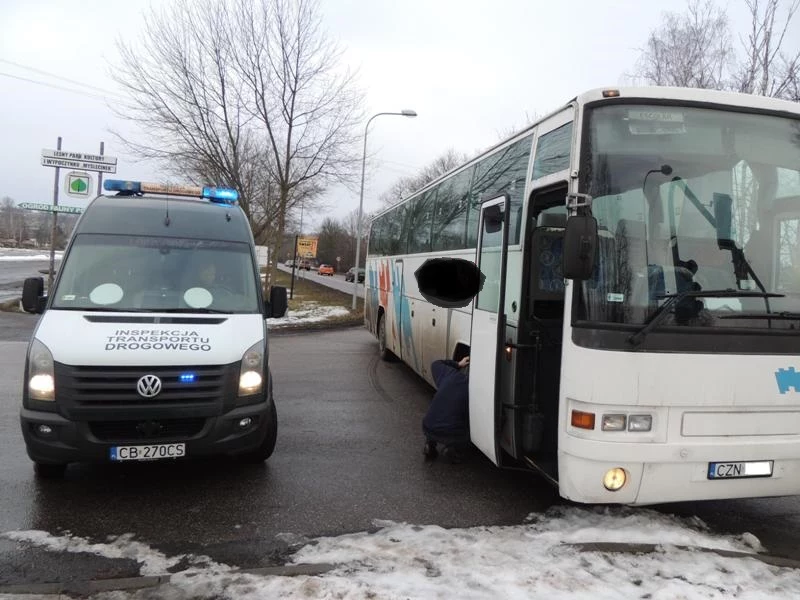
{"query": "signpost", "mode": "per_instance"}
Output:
(77, 184)
(307, 247)
(79, 160)
(74, 210)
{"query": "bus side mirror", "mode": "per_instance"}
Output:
(580, 247)
(493, 219)
(33, 298)
(723, 217)
(277, 304)
(449, 282)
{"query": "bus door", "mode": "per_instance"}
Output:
(488, 327)
(398, 333)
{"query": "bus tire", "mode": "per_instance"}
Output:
(383, 350)
(267, 447)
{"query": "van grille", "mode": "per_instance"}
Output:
(133, 431)
(112, 386)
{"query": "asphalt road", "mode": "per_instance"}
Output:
(14, 272)
(348, 453)
(336, 282)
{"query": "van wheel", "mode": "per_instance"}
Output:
(49, 470)
(383, 351)
(267, 447)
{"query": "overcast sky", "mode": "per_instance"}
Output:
(472, 70)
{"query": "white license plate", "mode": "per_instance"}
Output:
(738, 470)
(148, 452)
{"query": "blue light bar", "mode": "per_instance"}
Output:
(187, 377)
(120, 185)
(220, 194)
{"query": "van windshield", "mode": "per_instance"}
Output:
(139, 273)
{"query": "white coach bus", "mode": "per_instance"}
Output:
(663, 362)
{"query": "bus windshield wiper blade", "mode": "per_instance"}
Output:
(785, 315)
(672, 299)
(192, 310)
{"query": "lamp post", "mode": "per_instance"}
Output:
(402, 113)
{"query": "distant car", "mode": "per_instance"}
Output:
(326, 270)
(350, 275)
(304, 264)
(290, 263)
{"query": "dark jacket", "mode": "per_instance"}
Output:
(447, 420)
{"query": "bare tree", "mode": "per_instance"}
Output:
(306, 105)
(405, 186)
(766, 70)
(692, 49)
(244, 93)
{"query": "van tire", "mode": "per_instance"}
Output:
(49, 470)
(383, 350)
(267, 447)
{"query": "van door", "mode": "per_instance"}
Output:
(488, 326)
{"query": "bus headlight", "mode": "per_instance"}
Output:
(640, 422)
(251, 374)
(614, 422)
(41, 379)
(614, 479)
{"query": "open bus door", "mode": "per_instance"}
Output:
(488, 327)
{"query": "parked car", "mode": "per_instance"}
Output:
(350, 275)
(326, 270)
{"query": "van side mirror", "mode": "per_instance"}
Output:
(580, 247)
(33, 298)
(277, 304)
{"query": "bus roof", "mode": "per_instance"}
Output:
(662, 93)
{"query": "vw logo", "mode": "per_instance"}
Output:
(148, 386)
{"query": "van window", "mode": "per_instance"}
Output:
(124, 273)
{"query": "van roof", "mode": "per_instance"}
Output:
(147, 216)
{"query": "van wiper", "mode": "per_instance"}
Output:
(662, 311)
(193, 310)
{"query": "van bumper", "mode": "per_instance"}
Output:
(78, 441)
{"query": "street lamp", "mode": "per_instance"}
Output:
(402, 113)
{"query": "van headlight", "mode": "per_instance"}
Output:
(251, 374)
(41, 379)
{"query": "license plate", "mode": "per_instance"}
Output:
(739, 470)
(148, 452)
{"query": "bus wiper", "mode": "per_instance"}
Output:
(193, 310)
(784, 315)
(662, 311)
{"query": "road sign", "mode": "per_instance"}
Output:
(75, 210)
(77, 184)
(307, 247)
(79, 160)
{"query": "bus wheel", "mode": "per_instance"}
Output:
(383, 351)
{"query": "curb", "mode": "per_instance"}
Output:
(125, 584)
(624, 547)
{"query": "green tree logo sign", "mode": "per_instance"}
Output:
(78, 184)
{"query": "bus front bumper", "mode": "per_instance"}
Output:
(670, 472)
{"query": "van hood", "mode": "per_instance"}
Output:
(94, 338)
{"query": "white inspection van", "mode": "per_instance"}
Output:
(153, 343)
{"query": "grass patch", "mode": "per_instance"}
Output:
(308, 293)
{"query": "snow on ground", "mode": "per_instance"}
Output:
(309, 312)
(531, 561)
(20, 254)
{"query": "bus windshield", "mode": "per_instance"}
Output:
(693, 199)
(138, 273)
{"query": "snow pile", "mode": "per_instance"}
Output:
(530, 561)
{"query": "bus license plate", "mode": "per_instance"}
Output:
(738, 470)
(149, 452)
